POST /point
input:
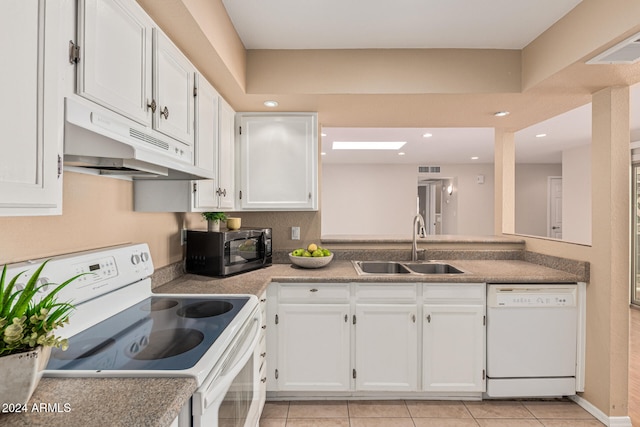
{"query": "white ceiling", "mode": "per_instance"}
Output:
(342, 24)
(351, 24)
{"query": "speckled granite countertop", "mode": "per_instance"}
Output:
(99, 402)
(255, 282)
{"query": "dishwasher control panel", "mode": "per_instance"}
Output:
(533, 297)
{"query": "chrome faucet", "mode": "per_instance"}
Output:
(417, 220)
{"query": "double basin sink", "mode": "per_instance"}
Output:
(401, 267)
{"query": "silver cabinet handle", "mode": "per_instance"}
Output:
(263, 354)
(263, 380)
(313, 290)
(164, 112)
(413, 318)
(429, 318)
(153, 105)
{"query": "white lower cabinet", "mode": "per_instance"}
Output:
(368, 337)
(313, 347)
(453, 341)
(386, 347)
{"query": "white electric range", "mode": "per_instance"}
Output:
(121, 329)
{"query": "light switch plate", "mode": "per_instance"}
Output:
(295, 233)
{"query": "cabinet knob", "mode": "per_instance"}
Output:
(263, 380)
(313, 290)
(164, 112)
(264, 354)
(152, 105)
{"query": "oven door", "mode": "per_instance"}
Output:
(230, 397)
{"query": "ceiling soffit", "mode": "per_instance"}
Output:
(383, 71)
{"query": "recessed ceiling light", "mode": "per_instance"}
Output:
(401, 153)
(323, 154)
(541, 135)
(501, 113)
(323, 134)
(475, 158)
(271, 104)
(367, 145)
(427, 135)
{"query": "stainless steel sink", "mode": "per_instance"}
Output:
(384, 268)
(380, 267)
(433, 268)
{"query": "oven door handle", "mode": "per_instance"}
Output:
(229, 371)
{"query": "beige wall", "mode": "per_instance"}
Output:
(97, 212)
(608, 290)
(531, 197)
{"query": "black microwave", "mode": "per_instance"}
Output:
(223, 253)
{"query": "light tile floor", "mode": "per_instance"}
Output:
(421, 413)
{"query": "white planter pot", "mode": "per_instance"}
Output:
(21, 373)
(213, 225)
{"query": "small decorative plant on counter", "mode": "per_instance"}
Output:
(26, 327)
(213, 220)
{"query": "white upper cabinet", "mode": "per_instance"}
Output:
(214, 152)
(32, 109)
(278, 161)
(215, 124)
(131, 67)
(115, 40)
(173, 90)
(207, 105)
(226, 154)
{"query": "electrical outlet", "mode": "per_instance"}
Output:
(295, 233)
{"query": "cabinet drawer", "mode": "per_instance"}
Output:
(453, 292)
(387, 292)
(313, 292)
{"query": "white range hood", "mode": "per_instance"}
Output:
(110, 144)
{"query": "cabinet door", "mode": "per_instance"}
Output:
(173, 89)
(386, 337)
(31, 108)
(115, 59)
(453, 348)
(278, 164)
(225, 188)
(313, 347)
(206, 147)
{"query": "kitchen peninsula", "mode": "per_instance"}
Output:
(157, 401)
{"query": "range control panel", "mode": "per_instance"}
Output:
(101, 270)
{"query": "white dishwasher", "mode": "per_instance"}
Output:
(532, 339)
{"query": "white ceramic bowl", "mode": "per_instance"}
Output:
(310, 262)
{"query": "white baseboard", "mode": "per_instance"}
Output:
(601, 416)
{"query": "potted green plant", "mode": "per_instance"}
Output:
(26, 333)
(213, 220)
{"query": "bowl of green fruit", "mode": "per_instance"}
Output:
(312, 257)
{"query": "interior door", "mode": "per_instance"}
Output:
(555, 207)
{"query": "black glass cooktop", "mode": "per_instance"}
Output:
(159, 333)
